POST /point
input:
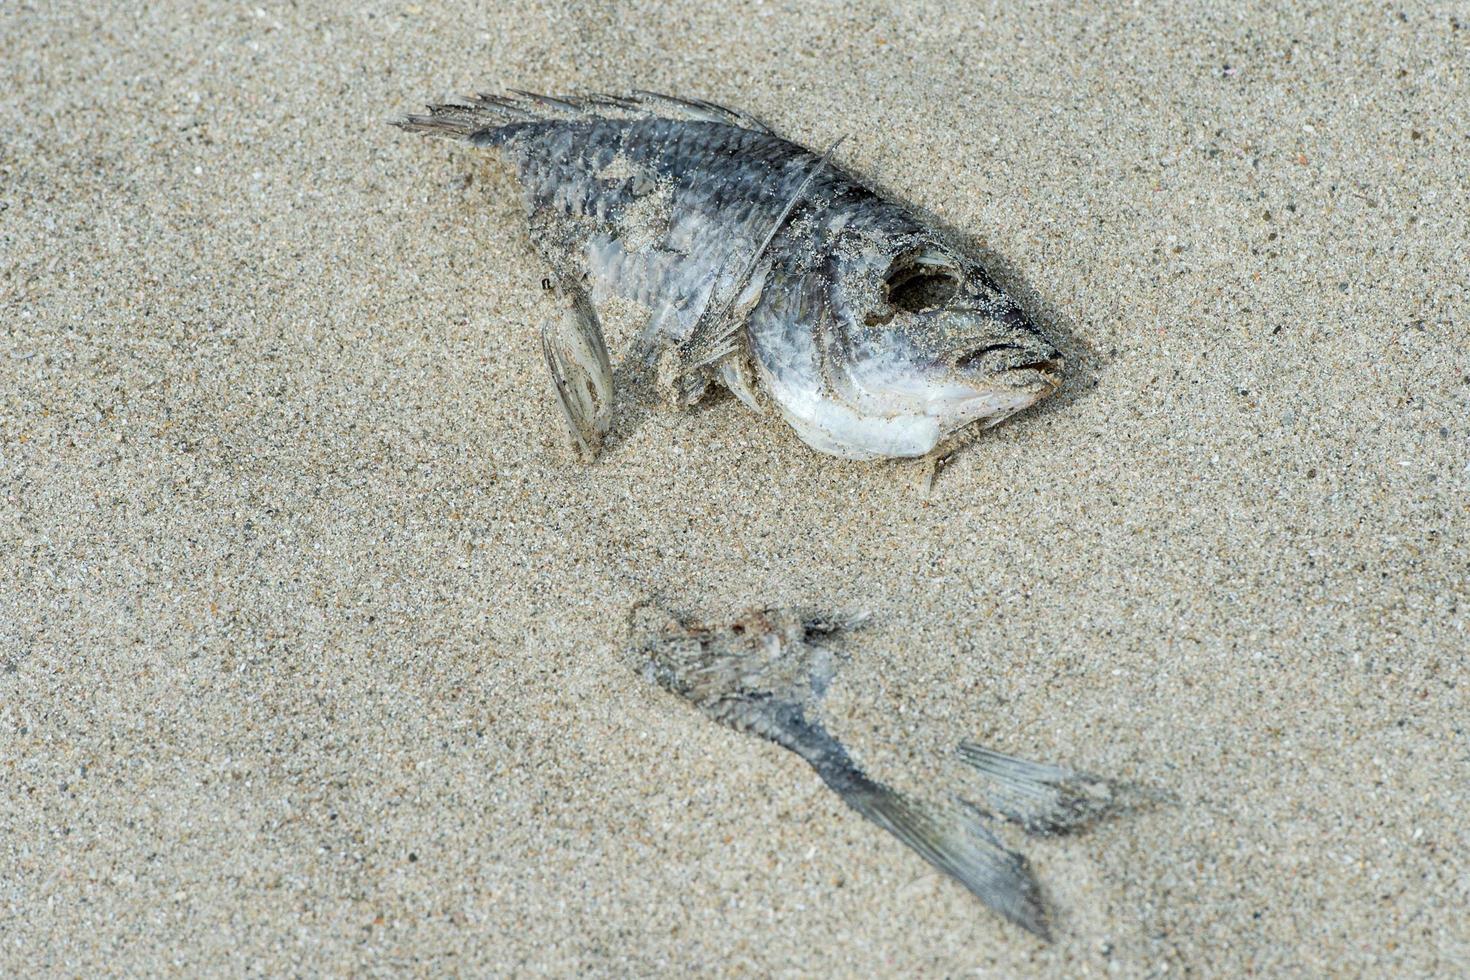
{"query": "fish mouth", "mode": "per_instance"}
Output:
(1003, 379)
(1014, 366)
(1045, 375)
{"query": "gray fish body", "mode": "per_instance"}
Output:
(870, 335)
(654, 210)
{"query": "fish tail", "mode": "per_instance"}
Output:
(951, 837)
(485, 120)
(1045, 799)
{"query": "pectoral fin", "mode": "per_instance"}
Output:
(581, 373)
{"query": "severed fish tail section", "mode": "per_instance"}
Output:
(763, 673)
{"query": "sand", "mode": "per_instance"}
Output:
(312, 632)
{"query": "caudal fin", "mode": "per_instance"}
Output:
(951, 837)
(1045, 799)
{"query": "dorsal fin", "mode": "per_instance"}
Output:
(485, 111)
(699, 110)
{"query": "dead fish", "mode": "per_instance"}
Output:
(765, 268)
(764, 674)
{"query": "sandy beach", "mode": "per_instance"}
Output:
(313, 633)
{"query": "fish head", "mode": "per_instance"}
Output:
(913, 341)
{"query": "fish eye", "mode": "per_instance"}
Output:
(915, 285)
